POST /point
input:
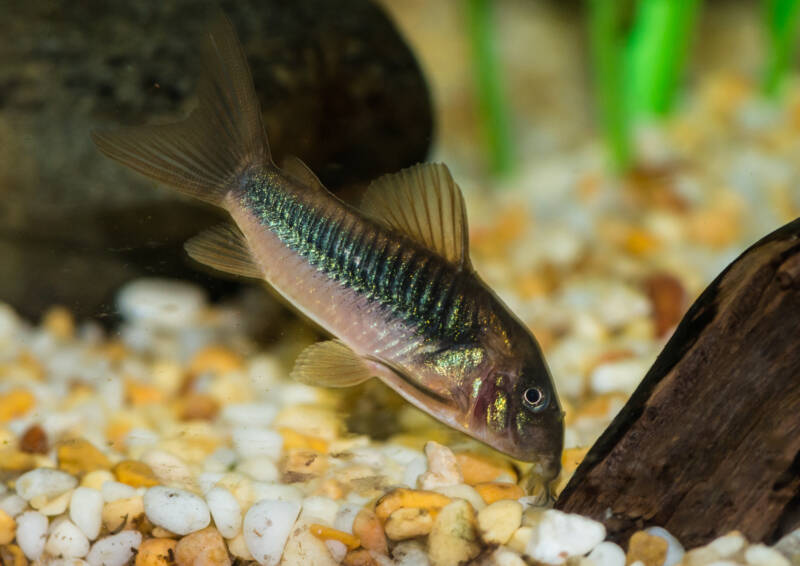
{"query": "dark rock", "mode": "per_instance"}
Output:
(338, 86)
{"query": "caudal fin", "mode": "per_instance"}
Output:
(202, 155)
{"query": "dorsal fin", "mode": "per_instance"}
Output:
(330, 364)
(295, 167)
(224, 248)
(425, 203)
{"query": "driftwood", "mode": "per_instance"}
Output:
(710, 440)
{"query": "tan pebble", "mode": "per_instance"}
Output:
(30, 366)
(134, 473)
(443, 468)
(96, 479)
(368, 529)
(215, 359)
(197, 406)
(156, 552)
(238, 547)
(326, 533)
(12, 460)
(728, 545)
(495, 491)
(668, 297)
(646, 548)
(403, 497)
(202, 548)
(519, 540)
(312, 422)
(123, 513)
(477, 468)
(360, 557)
(54, 506)
(302, 465)
(498, 521)
(303, 547)
(168, 375)
(329, 487)
(408, 522)
(454, 538)
(59, 322)
(161, 532)
(78, 456)
(570, 459)
(34, 440)
(15, 403)
(464, 491)
(12, 555)
(8, 527)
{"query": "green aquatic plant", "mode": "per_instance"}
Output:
(492, 101)
(638, 52)
(781, 18)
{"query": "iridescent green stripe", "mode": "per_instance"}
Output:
(415, 285)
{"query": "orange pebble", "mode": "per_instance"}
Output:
(216, 359)
(328, 533)
(156, 552)
(496, 491)
(139, 394)
(134, 474)
(297, 440)
(15, 403)
(403, 497)
(12, 555)
(368, 529)
(477, 468)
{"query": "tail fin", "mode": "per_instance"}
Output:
(223, 135)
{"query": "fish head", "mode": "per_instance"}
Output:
(516, 410)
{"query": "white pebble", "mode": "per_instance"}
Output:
(728, 544)
(413, 470)
(503, 556)
(277, 491)
(762, 555)
(443, 469)
(221, 460)
(13, 504)
(114, 490)
(44, 482)
(260, 468)
(86, 511)
(32, 533)
(68, 562)
(345, 517)
(267, 525)
(623, 375)
(675, 550)
(319, 509)
(337, 549)
(607, 554)
(250, 442)
(410, 553)
(207, 480)
(67, 540)
(161, 302)
(115, 550)
(225, 510)
(169, 469)
(176, 510)
(559, 535)
(249, 414)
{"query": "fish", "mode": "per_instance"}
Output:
(390, 280)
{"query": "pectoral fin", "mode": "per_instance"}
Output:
(330, 364)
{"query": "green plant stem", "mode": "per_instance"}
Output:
(606, 51)
(781, 18)
(656, 52)
(493, 106)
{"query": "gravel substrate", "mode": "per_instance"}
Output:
(177, 440)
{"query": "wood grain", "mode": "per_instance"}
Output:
(710, 440)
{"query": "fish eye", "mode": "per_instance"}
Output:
(534, 399)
